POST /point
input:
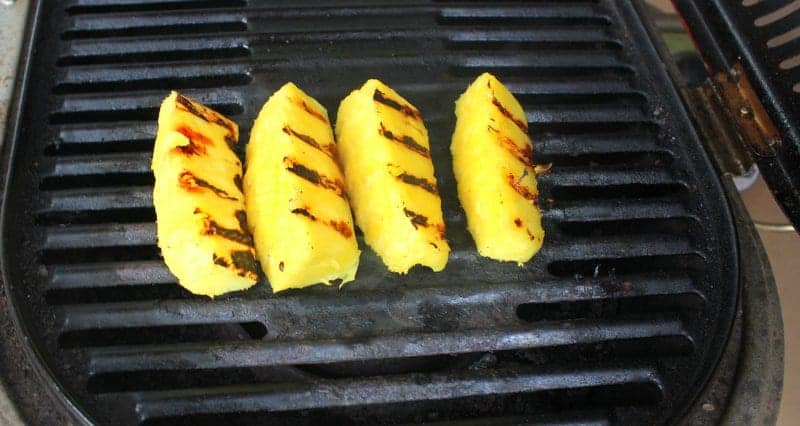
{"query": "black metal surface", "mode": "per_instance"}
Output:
(760, 36)
(620, 318)
(758, 378)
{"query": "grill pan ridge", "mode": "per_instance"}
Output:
(620, 318)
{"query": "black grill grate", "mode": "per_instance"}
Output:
(620, 318)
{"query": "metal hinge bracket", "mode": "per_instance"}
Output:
(733, 120)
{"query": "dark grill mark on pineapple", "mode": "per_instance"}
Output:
(280, 266)
(304, 212)
(406, 141)
(407, 110)
(521, 189)
(236, 235)
(190, 149)
(194, 135)
(314, 177)
(221, 261)
(237, 180)
(417, 219)
(241, 217)
(503, 110)
(189, 106)
(518, 222)
(328, 148)
(524, 155)
(192, 183)
(440, 227)
(339, 226)
(206, 114)
(418, 181)
(245, 263)
(212, 228)
(312, 111)
(197, 142)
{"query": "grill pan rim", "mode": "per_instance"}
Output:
(669, 75)
(30, 353)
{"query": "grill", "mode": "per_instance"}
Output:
(621, 318)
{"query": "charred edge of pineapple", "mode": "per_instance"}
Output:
(339, 226)
(405, 140)
(212, 228)
(311, 175)
(311, 111)
(208, 115)
(503, 110)
(407, 110)
(524, 155)
(329, 148)
(191, 183)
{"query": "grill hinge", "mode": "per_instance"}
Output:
(732, 119)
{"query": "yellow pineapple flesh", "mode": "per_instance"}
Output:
(296, 199)
(495, 174)
(201, 221)
(383, 145)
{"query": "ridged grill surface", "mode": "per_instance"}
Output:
(620, 318)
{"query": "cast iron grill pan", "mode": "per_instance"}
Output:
(619, 319)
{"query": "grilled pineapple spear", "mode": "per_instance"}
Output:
(493, 165)
(387, 163)
(296, 199)
(202, 226)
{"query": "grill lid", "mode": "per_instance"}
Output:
(752, 48)
(621, 317)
